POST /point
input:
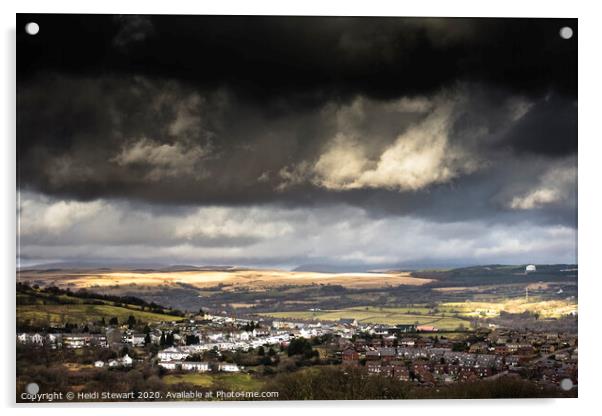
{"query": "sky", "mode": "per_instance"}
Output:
(290, 141)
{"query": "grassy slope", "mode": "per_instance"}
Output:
(41, 308)
(235, 382)
(76, 313)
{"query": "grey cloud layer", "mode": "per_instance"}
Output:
(70, 230)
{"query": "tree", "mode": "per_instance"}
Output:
(192, 339)
(261, 351)
(114, 321)
(131, 321)
(147, 339)
(300, 346)
(169, 340)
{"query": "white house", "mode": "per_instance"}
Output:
(137, 340)
(99, 364)
(169, 365)
(172, 354)
(197, 366)
(37, 339)
(228, 367)
(126, 361)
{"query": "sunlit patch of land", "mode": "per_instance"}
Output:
(545, 308)
(229, 279)
(376, 315)
(234, 382)
(444, 316)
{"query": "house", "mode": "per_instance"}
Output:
(172, 354)
(348, 321)
(478, 348)
(84, 340)
(405, 328)
(387, 354)
(500, 350)
(467, 375)
(374, 367)
(407, 342)
(228, 367)
(169, 365)
(426, 328)
(99, 364)
(136, 339)
(350, 356)
(200, 367)
(126, 361)
(401, 372)
(512, 361)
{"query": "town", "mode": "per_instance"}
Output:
(420, 355)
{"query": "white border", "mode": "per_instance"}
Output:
(590, 207)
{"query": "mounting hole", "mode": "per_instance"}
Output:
(32, 388)
(32, 28)
(566, 32)
(566, 384)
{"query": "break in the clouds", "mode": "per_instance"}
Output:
(283, 141)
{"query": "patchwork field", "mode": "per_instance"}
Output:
(445, 316)
(230, 279)
(387, 316)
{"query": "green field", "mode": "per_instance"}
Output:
(236, 382)
(388, 316)
(76, 313)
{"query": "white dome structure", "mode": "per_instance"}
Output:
(530, 268)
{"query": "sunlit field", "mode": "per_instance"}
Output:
(545, 308)
(445, 316)
(234, 279)
(376, 317)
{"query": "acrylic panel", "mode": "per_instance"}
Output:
(295, 208)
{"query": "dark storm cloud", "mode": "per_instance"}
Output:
(550, 129)
(171, 143)
(133, 30)
(308, 59)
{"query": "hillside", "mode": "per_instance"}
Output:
(43, 306)
(500, 274)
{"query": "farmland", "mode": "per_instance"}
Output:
(445, 316)
(387, 316)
